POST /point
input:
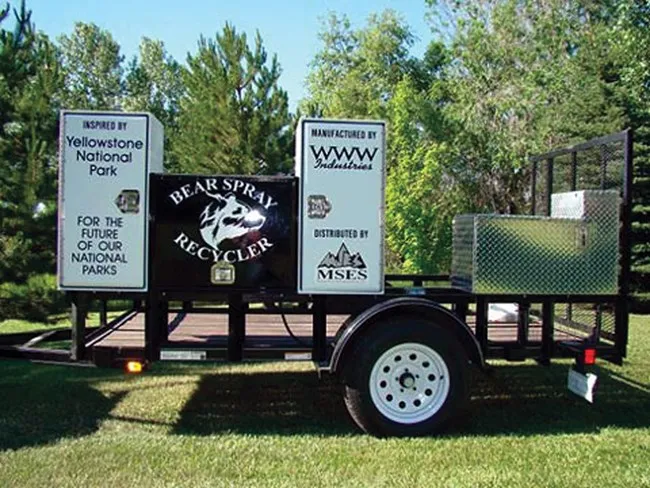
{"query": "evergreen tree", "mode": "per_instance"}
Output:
(631, 35)
(154, 84)
(233, 117)
(30, 82)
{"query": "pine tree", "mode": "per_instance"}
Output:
(632, 36)
(154, 83)
(234, 116)
(30, 83)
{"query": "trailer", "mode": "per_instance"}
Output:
(223, 267)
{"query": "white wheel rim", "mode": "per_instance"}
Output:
(409, 383)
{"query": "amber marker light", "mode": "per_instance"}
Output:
(134, 367)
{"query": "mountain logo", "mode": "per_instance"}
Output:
(342, 266)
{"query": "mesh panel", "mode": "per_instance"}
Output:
(541, 178)
(463, 244)
(608, 322)
(562, 174)
(589, 169)
(615, 166)
(570, 245)
(599, 210)
(585, 320)
(599, 167)
(502, 322)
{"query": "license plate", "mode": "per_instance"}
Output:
(583, 385)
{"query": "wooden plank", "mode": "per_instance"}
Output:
(206, 328)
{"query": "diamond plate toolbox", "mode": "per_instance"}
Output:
(575, 251)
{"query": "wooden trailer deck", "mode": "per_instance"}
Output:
(212, 329)
(264, 332)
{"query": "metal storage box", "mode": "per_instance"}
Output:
(600, 206)
(504, 254)
(224, 232)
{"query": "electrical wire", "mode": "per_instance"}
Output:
(287, 328)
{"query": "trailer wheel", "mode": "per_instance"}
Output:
(405, 377)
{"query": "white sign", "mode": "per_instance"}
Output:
(341, 166)
(297, 356)
(583, 385)
(105, 161)
(182, 355)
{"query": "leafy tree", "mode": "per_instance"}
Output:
(421, 198)
(369, 73)
(154, 84)
(233, 117)
(355, 72)
(527, 76)
(93, 69)
(515, 77)
(524, 77)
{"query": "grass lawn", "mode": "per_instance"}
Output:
(62, 321)
(275, 424)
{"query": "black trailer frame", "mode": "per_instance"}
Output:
(402, 356)
(598, 322)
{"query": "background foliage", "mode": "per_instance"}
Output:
(499, 80)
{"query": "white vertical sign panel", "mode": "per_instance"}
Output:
(105, 160)
(341, 166)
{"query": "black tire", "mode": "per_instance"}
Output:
(395, 334)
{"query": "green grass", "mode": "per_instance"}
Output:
(13, 326)
(275, 424)
(61, 345)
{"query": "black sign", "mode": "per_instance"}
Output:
(223, 232)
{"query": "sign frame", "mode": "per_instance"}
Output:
(150, 138)
(300, 170)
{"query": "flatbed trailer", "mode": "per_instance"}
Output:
(241, 326)
(403, 353)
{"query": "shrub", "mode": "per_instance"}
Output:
(34, 300)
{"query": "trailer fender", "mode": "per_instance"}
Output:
(357, 325)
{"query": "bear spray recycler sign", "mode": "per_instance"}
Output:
(341, 168)
(216, 231)
(105, 161)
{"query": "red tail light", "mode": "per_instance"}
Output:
(589, 357)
